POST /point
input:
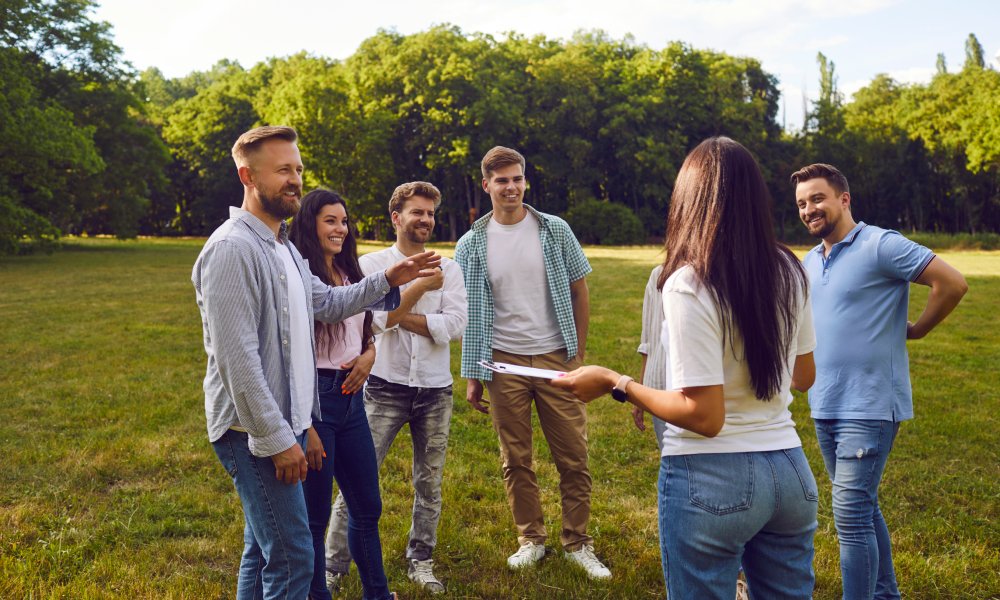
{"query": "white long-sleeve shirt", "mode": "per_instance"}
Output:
(408, 358)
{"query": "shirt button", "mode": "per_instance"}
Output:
(285, 342)
(284, 308)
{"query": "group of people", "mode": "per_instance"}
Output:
(317, 359)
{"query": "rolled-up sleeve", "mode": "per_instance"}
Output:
(231, 300)
(449, 323)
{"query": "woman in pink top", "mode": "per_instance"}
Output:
(340, 446)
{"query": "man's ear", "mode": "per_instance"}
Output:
(394, 218)
(486, 185)
(846, 199)
(246, 176)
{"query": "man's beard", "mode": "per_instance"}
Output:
(414, 234)
(827, 229)
(277, 206)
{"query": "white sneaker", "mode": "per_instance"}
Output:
(585, 558)
(421, 572)
(526, 555)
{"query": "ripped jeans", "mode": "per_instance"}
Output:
(389, 406)
(855, 452)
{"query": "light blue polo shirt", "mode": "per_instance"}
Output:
(860, 294)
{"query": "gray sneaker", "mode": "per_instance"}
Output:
(334, 579)
(422, 573)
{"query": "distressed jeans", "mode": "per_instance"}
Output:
(277, 557)
(389, 407)
(855, 453)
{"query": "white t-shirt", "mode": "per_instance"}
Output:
(697, 355)
(303, 376)
(525, 317)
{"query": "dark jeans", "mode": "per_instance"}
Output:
(350, 458)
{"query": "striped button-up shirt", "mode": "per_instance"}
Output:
(564, 264)
(242, 293)
(655, 375)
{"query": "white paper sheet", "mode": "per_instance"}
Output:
(509, 369)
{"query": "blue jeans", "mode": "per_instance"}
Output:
(855, 453)
(350, 458)
(277, 556)
(389, 407)
(718, 511)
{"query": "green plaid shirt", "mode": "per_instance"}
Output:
(564, 263)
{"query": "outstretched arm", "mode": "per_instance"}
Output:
(699, 409)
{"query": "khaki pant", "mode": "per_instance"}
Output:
(564, 423)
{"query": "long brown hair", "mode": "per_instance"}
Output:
(303, 235)
(719, 224)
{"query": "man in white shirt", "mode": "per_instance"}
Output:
(411, 379)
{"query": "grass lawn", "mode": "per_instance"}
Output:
(109, 487)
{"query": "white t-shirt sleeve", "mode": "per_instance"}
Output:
(691, 324)
(805, 340)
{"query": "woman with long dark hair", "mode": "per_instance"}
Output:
(735, 487)
(340, 445)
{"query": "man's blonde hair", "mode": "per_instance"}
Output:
(499, 157)
(248, 143)
(414, 188)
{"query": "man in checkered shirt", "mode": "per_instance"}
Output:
(529, 305)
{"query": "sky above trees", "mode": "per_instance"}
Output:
(901, 38)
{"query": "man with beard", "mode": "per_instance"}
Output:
(257, 300)
(410, 382)
(529, 305)
(859, 285)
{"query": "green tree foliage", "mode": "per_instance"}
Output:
(76, 151)
(923, 157)
(597, 222)
(89, 146)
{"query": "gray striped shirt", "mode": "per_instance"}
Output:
(649, 340)
(242, 293)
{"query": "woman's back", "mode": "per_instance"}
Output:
(699, 354)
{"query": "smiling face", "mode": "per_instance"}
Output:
(331, 228)
(506, 187)
(276, 175)
(414, 222)
(825, 213)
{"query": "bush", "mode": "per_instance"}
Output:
(607, 223)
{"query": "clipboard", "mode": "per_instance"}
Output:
(509, 369)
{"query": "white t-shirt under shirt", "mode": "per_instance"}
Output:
(697, 355)
(525, 317)
(303, 376)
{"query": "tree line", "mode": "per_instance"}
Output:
(90, 146)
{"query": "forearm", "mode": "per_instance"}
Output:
(408, 299)
(415, 323)
(580, 298)
(940, 302)
(704, 414)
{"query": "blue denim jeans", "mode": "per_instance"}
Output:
(855, 453)
(718, 511)
(277, 557)
(350, 458)
(389, 407)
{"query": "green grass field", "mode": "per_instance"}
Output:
(109, 487)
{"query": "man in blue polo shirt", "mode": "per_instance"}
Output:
(859, 284)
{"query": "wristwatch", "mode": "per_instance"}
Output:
(618, 392)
